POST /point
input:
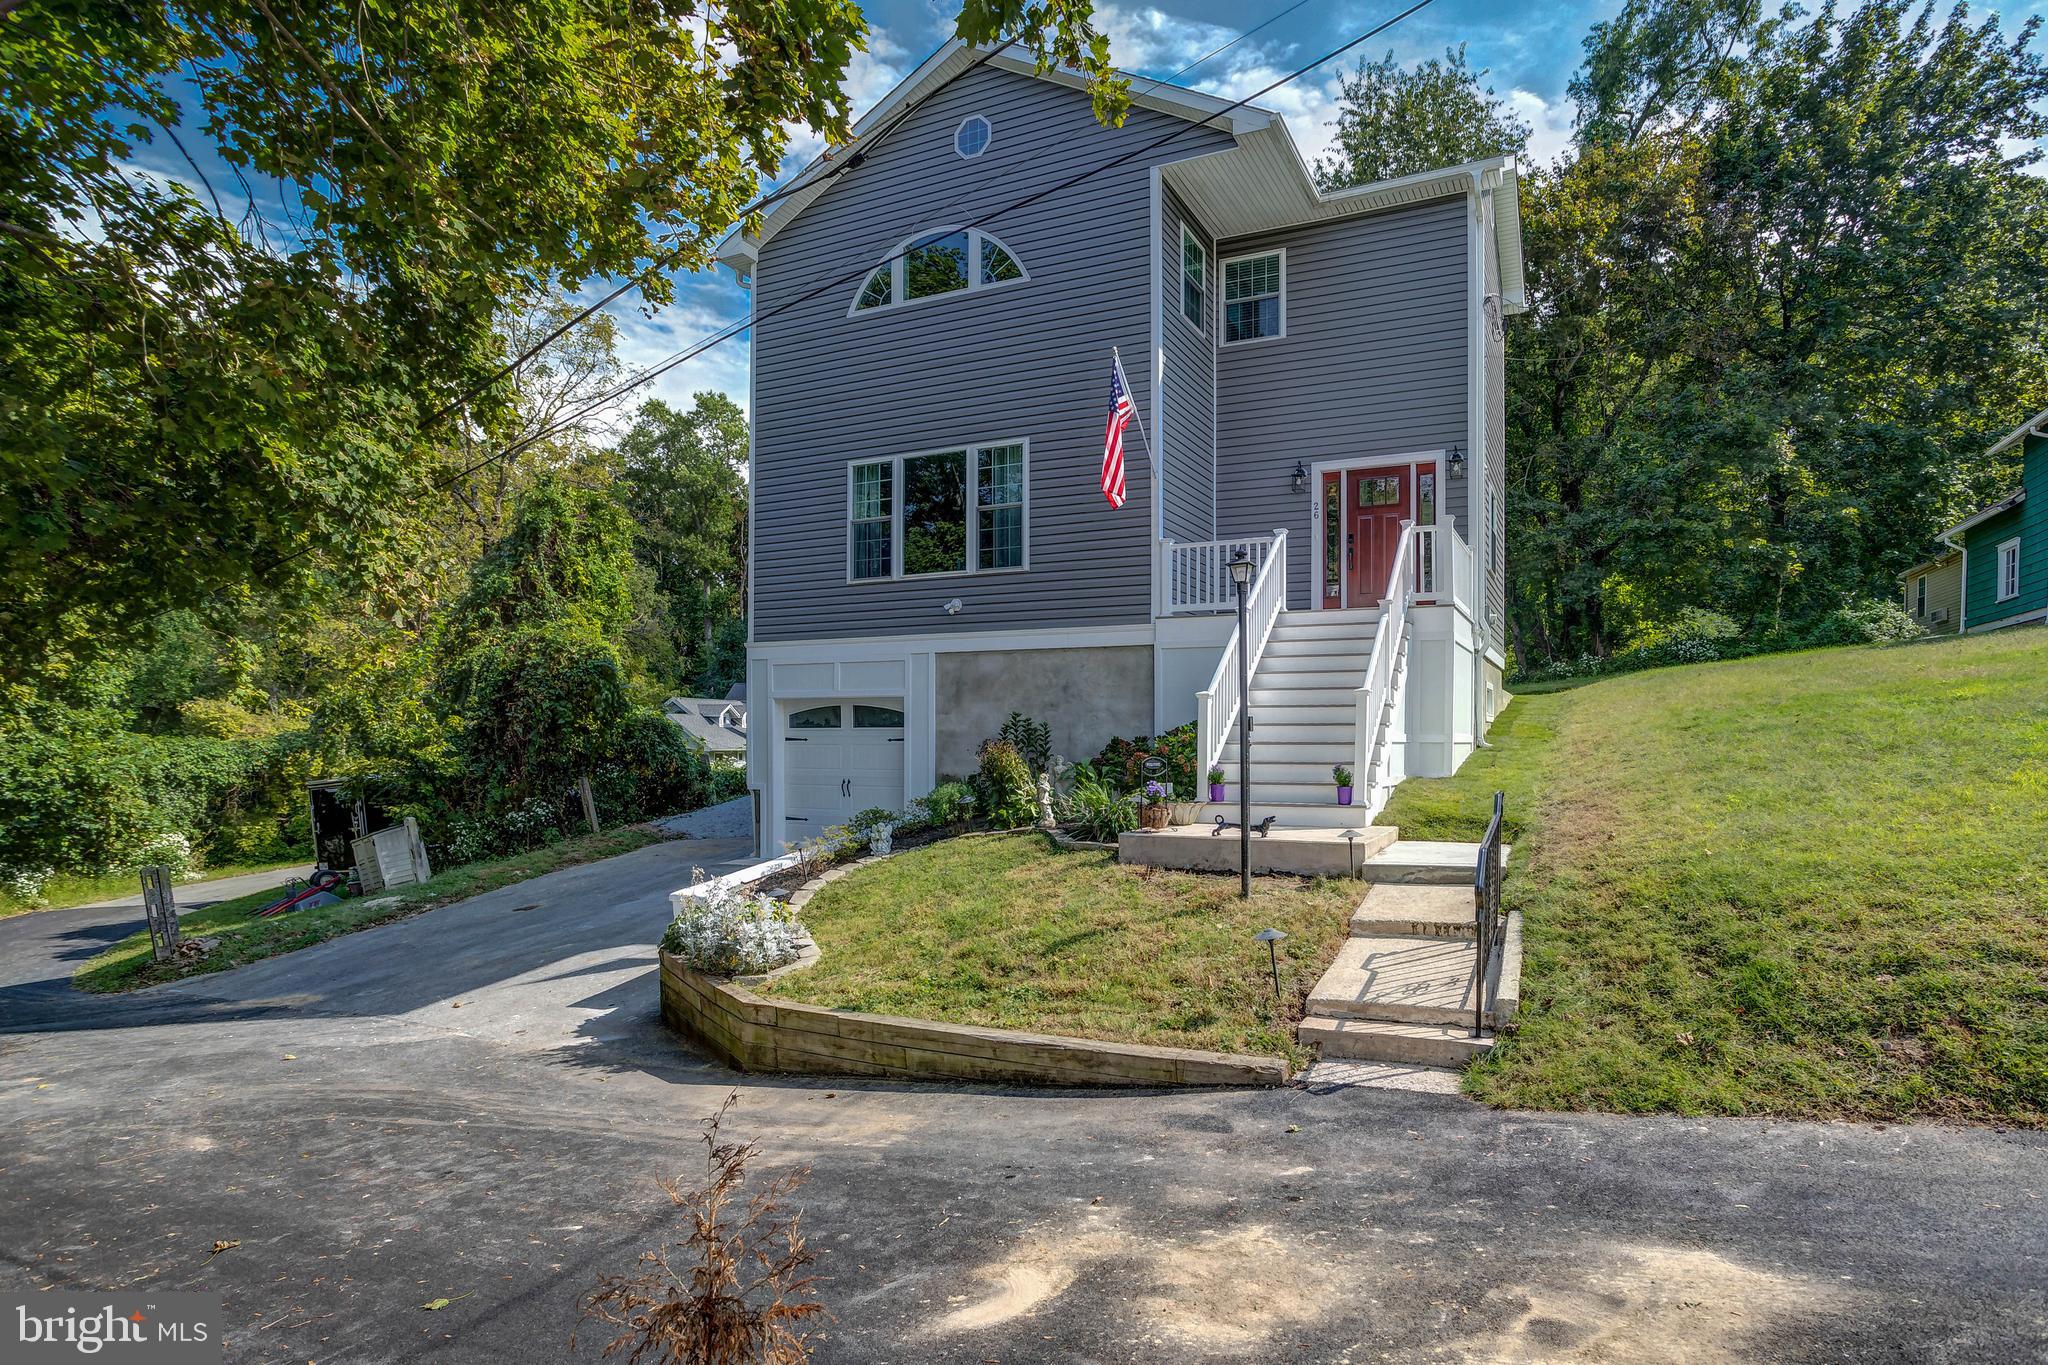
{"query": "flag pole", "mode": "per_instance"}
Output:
(1151, 460)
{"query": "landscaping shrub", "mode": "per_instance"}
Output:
(732, 933)
(1032, 740)
(1121, 763)
(728, 783)
(1094, 810)
(1875, 622)
(1002, 786)
(653, 769)
(949, 803)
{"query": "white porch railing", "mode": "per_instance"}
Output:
(1378, 699)
(1194, 575)
(1444, 565)
(1216, 706)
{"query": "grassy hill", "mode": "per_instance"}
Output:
(1809, 884)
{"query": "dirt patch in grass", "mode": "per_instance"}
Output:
(1008, 931)
(1807, 884)
(241, 934)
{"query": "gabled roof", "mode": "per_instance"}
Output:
(1259, 185)
(1978, 518)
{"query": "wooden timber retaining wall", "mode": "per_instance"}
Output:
(753, 1033)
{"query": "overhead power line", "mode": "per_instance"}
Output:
(752, 319)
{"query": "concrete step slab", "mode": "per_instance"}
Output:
(1370, 1040)
(1426, 861)
(1398, 979)
(1415, 908)
(1296, 850)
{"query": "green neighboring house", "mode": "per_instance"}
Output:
(2005, 546)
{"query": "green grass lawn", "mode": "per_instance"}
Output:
(65, 890)
(1010, 932)
(245, 936)
(1807, 884)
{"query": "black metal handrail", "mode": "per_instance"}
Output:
(1487, 920)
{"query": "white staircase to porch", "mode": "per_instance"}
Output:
(1304, 721)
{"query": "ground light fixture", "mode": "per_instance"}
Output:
(1351, 837)
(1271, 938)
(1241, 577)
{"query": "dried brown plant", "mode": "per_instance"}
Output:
(735, 1289)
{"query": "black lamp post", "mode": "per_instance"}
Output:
(1241, 577)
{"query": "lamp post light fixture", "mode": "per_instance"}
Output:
(1271, 938)
(1351, 837)
(1241, 578)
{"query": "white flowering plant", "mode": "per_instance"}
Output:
(170, 849)
(726, 932)
(25, 884)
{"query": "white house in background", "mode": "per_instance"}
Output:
(719, 724)
(1320, 378)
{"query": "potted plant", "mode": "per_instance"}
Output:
(1216, 784)
(1155, 813)
(1342, 776)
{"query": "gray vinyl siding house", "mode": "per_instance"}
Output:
(894, 626)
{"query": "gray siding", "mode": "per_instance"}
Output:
(1189, 393)
(1488, 531)
(1028, 360)
(1373, 363)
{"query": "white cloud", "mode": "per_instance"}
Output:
(1550, 124)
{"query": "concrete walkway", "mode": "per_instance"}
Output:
(475, 1105)
(197, 895)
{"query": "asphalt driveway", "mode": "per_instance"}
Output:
(475, 1104)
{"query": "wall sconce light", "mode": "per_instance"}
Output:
(1457, 463)
(1300, 477)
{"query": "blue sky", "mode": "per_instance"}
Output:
(1529, 51)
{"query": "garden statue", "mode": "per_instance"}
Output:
(1045, 820)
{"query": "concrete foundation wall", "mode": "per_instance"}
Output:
(1087, 696)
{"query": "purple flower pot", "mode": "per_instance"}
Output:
(1343, 796)
(1216, 792)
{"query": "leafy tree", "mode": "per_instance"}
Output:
(1394, 120)
(1783, 296)
(195, 400)
(682, 478)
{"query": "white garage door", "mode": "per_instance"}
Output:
(839, 757)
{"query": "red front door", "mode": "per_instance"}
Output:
(1376, 502)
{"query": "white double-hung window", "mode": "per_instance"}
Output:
(1255, 297)
(952, 511)
(2009, 569)
(1194, 276)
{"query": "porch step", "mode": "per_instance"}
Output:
(1264, 696)
(1333, 734)
(1427, 862)
(1352, 620)
(1294, 815)
(1398, 979)
(1285, 713)
(1308, 791)
(1308, 772)
(1310, 670)
(1420, 910)
(1309, 649)
(1373, 1040)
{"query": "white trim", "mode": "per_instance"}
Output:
(1999, 570)
(968, 450)
(1180, 306)
(2037, 425)
(869, 648)
(1341, 465)
(1155, 441)
(1979, 518)
(1479, 503)
(1223, 297)
(2038, 616)
(894, 263)
(958, 128)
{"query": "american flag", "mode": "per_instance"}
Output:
(1120, 411)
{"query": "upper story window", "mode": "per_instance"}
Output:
(972, 137)
(2009, 569)
(1255, 297)
(937, 263)
(1920, 596)
(945, 512)
(1194, 276)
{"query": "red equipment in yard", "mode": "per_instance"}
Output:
(323, 882)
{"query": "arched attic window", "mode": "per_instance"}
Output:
(933, 264)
